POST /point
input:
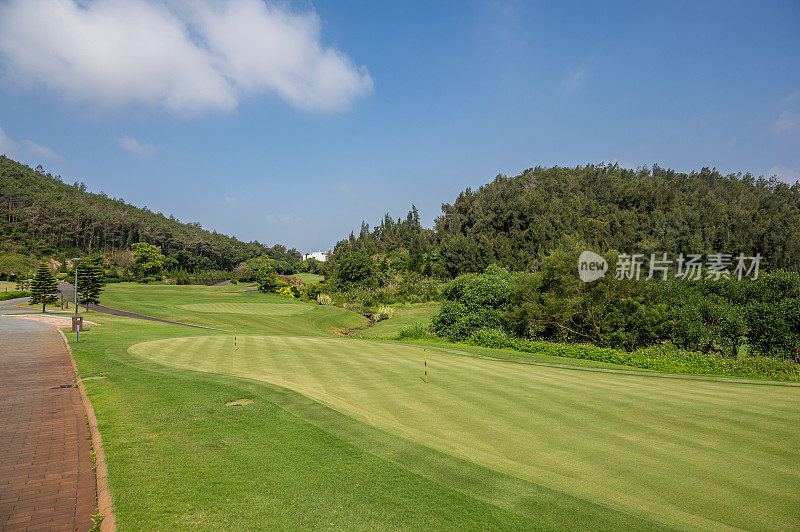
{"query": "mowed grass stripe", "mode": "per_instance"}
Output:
(772, 411)
(259, 309)
(688, 452)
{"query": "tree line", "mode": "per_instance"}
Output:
(515, 222)
(41, 215)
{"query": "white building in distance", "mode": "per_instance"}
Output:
(318, 255)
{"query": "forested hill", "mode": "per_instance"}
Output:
(515, 221)
(41, 215)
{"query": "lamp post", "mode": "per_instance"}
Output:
(76, 261)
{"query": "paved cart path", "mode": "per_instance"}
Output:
(46, 476)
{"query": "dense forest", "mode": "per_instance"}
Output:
(503, 260)
(516, 221)
(43, 217)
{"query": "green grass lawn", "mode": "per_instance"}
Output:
(226, 307)
(309, 278)
(343, 433)
(404, 315)
(662, 446)
(178, 458)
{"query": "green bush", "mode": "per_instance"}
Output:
(324, 299)
(313, 291)
(416, 331)
(663, 357)
(285, 290)
(384, 313)
(772, 314)
(473, 302)
(354, 268)
(267, 282)
(13, 294)
(490, 289)
(456, 321)
(493, 338)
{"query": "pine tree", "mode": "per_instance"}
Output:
(90, 282)
(44, 287)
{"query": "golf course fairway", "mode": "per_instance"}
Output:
(259, 309)
(692, 453)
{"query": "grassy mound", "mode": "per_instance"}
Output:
(404, 316)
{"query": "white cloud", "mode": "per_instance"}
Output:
(229, 200)
(136, 147)
(7, 146)
(787, 121)
(37, 150)
(784, 173)
(575, 79)
(273, 219)
(794, 96)
(187, 57)
(26, 149)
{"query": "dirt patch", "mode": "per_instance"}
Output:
(349, 332)
(239, 402)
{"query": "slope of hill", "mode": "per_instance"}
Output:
(41, 215)
(515, 221)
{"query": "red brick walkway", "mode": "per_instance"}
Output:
(46, 476)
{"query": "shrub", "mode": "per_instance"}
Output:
(61, 276)
(267, 282)
(13, 294)
(285, 291)
(456, 321)
(473, 302)
(354, 269)
(490, 289)
(324, 299)
(315, 290)
(772, 314)
(384, 313)
(415, 332)
(493, 338)
(146, 280)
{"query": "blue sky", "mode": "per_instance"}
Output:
(386, 104)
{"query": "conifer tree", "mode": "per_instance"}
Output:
(44, 287)
(90, 282)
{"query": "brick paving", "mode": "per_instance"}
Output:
(46, 476)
